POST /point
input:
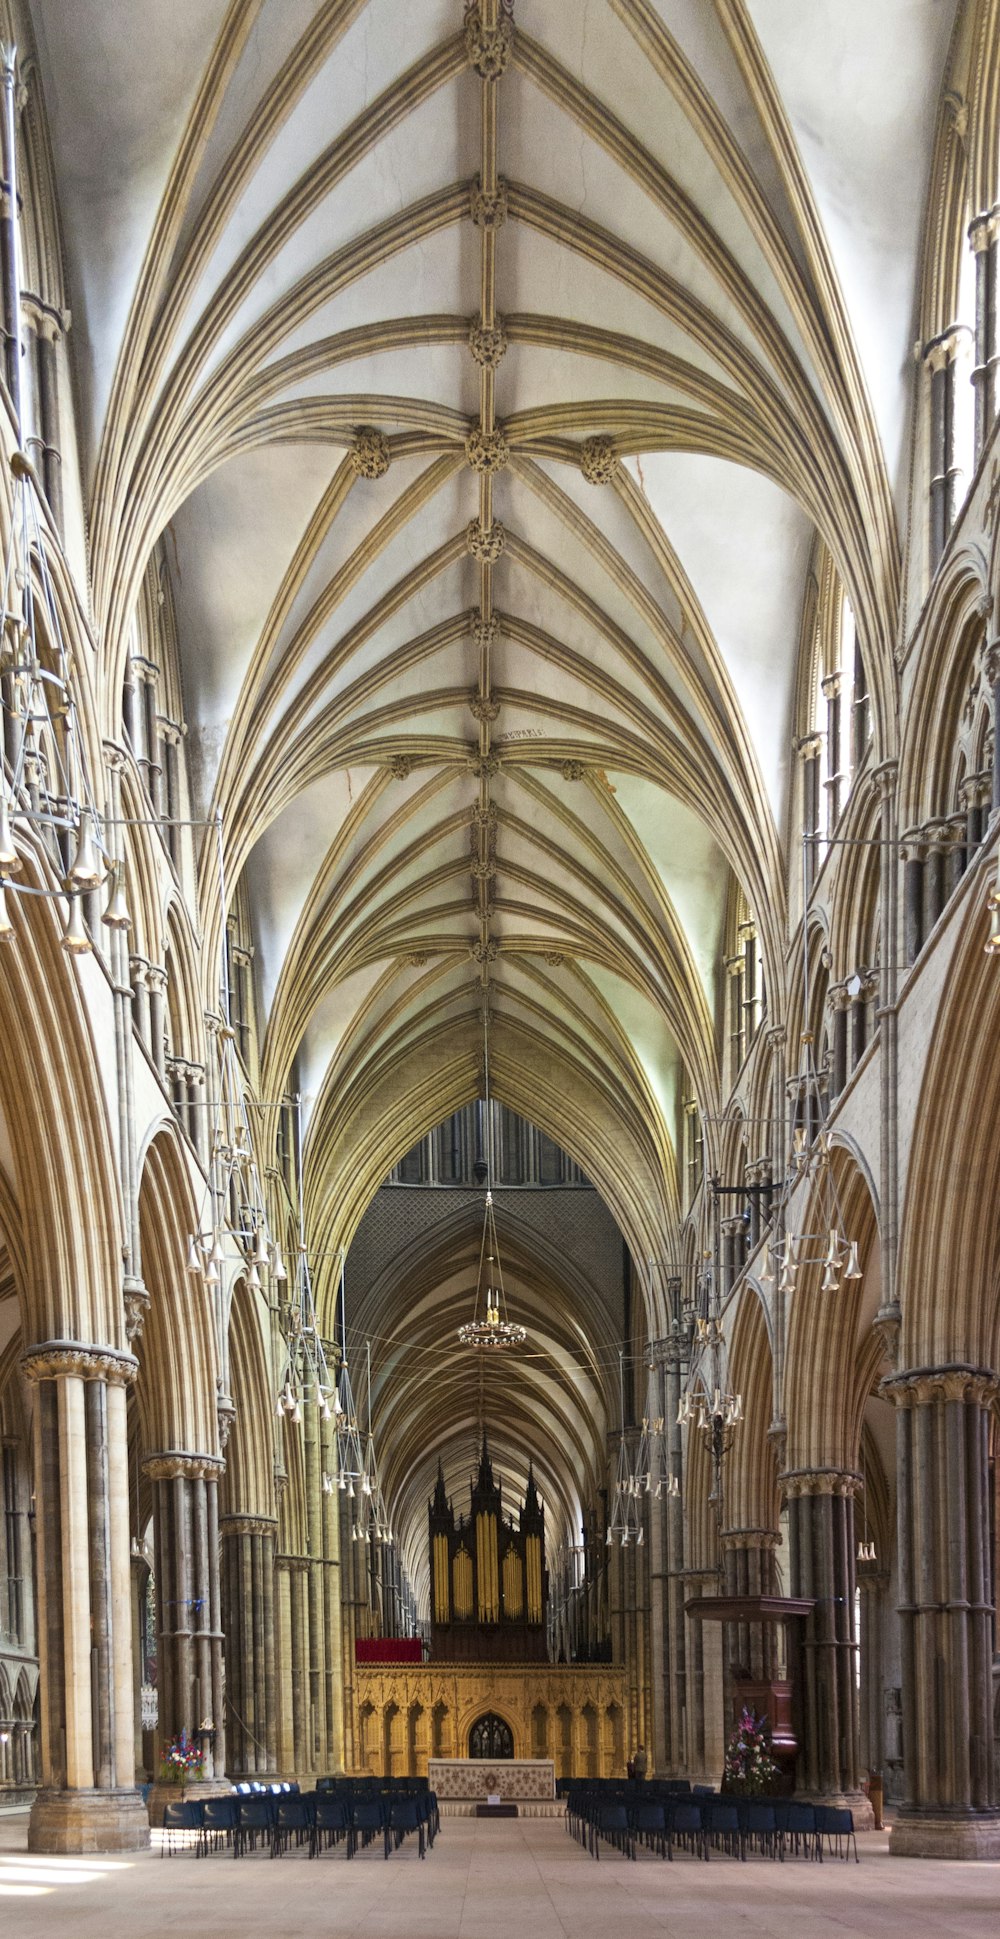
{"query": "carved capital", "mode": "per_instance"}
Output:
(750, 1538)
(173, 1465)
(925, 1386)
(572, 770)
(554, 958)
(484, 952)
(485, 542)
(819, 1481)
(401, 766)
(484, 766)
(484, 817)
(598, 460)
(488, 207)
(487, 342)
(487, 451)
(370, 452)
(247, 1525)
(484, 707)
(137, 1304)
(225, 1414)
(67, 1359)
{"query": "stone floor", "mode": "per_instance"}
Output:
(507, 1880)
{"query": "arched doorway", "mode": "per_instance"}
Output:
(491, 1737)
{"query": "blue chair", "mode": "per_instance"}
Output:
(368, 1820)
(293, 1819)
(404, 1817)
(182, 1826)
(687, 1826)
(835, 1823)
(331, 1823)
(254, 1824)
(759, 1826)
(611, 1822)
(649, 1827)
(219, 1817)
(722, 1825)
(800, 1828)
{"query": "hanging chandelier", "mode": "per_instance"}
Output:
(490, 1330)
(490, 1327)
(350, 1455)
(625, 1521)
(233, 1225)
(825, 1243)
(651, 1477)
(372, 1524)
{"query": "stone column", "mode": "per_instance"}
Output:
(333, 1627)
(983, 232)
(748, 1570)
(945, 360)
(937, 838)
(872, 1584)
(949, 1807)
(913, 894)
(248, 1621)
(285, 1689)
(88, 1800)
(839, 1002)
(991, 664)
(821, 1539)
(188, 1604)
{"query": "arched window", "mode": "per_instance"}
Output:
(491, 1737)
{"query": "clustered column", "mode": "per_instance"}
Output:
(248, 1614)
(821, 1538)
(189, 1613)
(88, 1800)
(949, 1804)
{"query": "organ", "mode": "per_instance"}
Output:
(489, 1584)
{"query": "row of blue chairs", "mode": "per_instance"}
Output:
(772, 1827)
(630, 1787)
(277, 1819)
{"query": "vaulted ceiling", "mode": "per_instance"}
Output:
(491, 375)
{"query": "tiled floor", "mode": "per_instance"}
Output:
(509, 1880)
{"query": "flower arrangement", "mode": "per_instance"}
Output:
(182, 1759)
(750, 1769)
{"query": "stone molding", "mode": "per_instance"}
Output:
(922, 1386)
(62, 1359)
(797, 1482)
(171, 1466)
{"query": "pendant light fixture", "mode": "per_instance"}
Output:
(304, 1378)
(490, 1330)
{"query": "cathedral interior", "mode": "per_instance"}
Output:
(499, 898)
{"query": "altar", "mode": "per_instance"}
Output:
(462, 1783)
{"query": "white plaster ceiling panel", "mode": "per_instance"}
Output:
(412, 161)
(862, 108)
(745, 547)
(427, 372)
(546, 146)
(286, 861)
(117, 99)
(688, 861)
(540, 274)
(437, 273)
